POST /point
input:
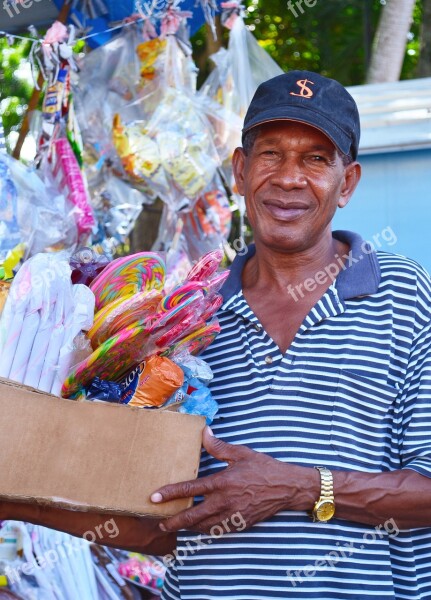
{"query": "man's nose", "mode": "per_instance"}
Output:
(290, 174)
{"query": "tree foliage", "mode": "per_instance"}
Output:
(334, 38)
(15, 91)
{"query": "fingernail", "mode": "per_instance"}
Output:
(210, 431)
(162, 527)
(157, 497)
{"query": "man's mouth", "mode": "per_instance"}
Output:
(285, 212)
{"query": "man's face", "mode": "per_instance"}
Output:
(292, 179)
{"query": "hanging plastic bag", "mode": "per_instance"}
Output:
(239, 70)
(32, 211)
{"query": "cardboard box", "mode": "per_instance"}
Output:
(93, 456)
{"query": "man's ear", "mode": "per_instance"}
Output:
(238, 163)
(352, 176)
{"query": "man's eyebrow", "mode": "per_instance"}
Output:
(268, 140)
(323, 148)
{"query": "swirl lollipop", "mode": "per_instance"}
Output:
(113, 359)
(180, 294)
(178, 312)
(197, 341)
(121, 313)
(128, 275)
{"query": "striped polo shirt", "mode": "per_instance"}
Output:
(352, 392)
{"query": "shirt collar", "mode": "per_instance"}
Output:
(360, 275)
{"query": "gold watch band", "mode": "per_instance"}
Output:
(326, 483)
(324, 508)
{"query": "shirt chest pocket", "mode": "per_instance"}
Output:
(362, 428)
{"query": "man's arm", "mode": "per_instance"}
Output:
(258, 486)
(134, 533)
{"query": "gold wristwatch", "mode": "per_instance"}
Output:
(324, 509)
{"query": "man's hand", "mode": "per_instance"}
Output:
(253, 484)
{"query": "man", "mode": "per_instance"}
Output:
(311, 372)
(324, 360)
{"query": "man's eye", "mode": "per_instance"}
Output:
(269, 152)
(318, 158)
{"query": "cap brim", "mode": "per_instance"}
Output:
(309, 117)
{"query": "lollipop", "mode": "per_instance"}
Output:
(128, 275)
(121, 313)
(177, 313)
(206, 266)
(179, 294)
(113, 359)
(185, 327)
(212, 306)
(196, 341)
(216, 282)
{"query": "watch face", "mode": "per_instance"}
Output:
(325, 510)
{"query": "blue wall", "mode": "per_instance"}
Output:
(393, 199)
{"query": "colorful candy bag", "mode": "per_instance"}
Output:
(69, 177)
(152, 383)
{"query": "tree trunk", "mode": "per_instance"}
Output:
(424, 66)
(390, 41)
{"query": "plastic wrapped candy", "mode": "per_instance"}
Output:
(171, 149)
(207, 225)
(176, 324)
(140, 155)
(121, 313)
(194, 397)
(184, 138)
(86, 265)
(149, 54)
(69, 177)
(108, 391)
(144, 570)
(32, 211)
(9, 228)
(152, 383)
(116, 205)
(128, 275)
(111, 72)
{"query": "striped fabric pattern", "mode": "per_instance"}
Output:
(352, 392)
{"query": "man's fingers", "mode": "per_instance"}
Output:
(184, 489)
(186, 519)
(220, 449)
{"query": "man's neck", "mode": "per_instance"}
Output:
(272, 270)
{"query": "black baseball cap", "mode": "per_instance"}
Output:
(309, 98)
